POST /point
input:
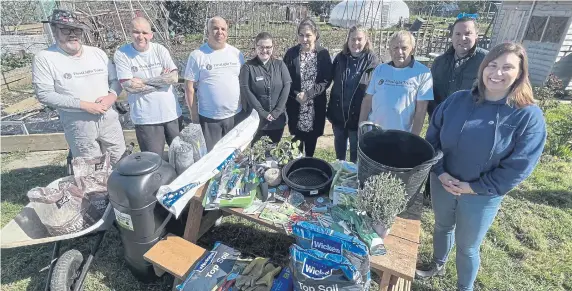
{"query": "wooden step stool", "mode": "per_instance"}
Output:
(174, 255)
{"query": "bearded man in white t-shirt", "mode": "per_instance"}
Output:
(81, 83)
(146, 71)
(399, 91)
(214, 69)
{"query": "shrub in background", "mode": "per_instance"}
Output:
(559, 128)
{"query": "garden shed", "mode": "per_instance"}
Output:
(371, 14)
(545, 30)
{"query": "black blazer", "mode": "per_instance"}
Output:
(266, 89)
(318, 92)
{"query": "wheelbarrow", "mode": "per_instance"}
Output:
(68, 270)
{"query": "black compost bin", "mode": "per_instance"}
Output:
(406, 155)
(142, 221)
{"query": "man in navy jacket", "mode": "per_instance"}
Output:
(457, 68)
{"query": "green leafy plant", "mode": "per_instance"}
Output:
(546, 95)
(559, 131)
(258, 150)
(382, 198)
(13, 61)
(285, 151)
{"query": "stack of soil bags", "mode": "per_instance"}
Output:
(323, 259)
(76, 204)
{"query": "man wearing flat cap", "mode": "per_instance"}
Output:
(81, 83)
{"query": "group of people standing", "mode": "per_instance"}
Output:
(481, 109)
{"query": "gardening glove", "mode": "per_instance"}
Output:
(251, 273)
(259, 288)
(258, 271)
(268, 277)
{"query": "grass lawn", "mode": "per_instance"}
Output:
(528, 248)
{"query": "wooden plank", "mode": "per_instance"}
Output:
(24, 105)
(195, 216)
(400, 260)
(15, 78)
(400, 285)
(384, 283)
(45, 142)
(406, 229)
(174, 255)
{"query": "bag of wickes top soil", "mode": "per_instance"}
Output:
(187, 148)
(91, 173)
(63, 210)
(213, 268)
(314, 270)
(311, 236)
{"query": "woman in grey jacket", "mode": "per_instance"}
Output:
(265, 84)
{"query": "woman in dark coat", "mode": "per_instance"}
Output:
(310, 68)
(352, 72)
(265, 84)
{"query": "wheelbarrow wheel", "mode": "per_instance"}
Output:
(66, 271)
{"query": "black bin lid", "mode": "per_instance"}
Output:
(139, 164)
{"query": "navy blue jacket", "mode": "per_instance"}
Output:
(448, 80)
(492, 145)
(336, 114)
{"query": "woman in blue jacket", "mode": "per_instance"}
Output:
(492, 138)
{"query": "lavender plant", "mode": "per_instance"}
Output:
(382, 198)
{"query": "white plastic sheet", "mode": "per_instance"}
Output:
(208, 166)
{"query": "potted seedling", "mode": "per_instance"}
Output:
(257, 152)
(285, 151)
(382, 198)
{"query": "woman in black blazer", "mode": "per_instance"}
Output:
(265, 84)
(310, 67)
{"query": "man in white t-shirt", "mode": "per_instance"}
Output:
(399, 91)
(214, 69)
(81, 83)
(147, 71)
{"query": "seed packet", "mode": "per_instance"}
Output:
(280, 193)
(272, 214)
(256, 207)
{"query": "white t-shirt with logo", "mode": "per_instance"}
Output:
(85, 77)
(216, 74)
(156, 107)
(395, 92)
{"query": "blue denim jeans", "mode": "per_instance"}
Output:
(341, 136)
(463, 220)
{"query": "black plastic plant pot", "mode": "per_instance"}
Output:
(309, 176)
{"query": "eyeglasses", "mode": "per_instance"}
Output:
(265, 47)
(68, 31)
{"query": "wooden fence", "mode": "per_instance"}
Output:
(16, 78)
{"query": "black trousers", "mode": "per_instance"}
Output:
(307, 144)
(215, 129)
(152, 137)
